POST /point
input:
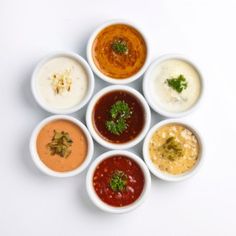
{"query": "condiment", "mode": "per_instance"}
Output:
(62, 82)
(175, 85)
(119, 51)
(62, 145)
(174, 149)
(118, 116)
(118, 181)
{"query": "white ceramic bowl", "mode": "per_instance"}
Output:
(92, 129)
(69, 110)
(163, 175)
(108, 208)
(36, 159)
(148, 95)
(94, 67)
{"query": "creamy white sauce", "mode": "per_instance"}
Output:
(166, 97)
(65, 99)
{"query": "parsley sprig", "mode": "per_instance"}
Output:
(178, 84)
(119, 46)
(119, 112)
(118, 181)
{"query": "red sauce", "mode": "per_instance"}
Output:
(101, 114)
(134, 185)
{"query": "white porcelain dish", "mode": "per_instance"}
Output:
(92, 129)
(42, 101)
(148, 86)
(36, 159)
(108, 208)
(163, 175)
(94, 67)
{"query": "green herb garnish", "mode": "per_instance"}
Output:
(60, 144)
(120, 112)
(171, 149)
(118, 181)
(119, 46)
(178, 84)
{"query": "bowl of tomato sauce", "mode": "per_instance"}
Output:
(118, 181)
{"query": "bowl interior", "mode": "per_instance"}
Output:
(41, 101)
(105, 206)
(42, 166)
(96, 133)
(165, 175)
(146, 86)
(106, 77)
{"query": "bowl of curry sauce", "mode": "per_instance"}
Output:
(118, 52)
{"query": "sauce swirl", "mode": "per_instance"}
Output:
(112, 63)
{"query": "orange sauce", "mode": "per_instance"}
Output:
(115, 65)
(78, 149)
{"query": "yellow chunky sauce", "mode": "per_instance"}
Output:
(174, 149)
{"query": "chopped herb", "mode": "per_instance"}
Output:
(119, 112)
(171, 149)
(60, 144)
(178, 84)
(118, 181)
(119, 46)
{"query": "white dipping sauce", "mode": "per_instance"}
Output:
(166, 97)
(78, 79)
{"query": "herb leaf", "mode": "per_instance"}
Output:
(120, 112)
(118, 181)
(178, 84)
(119, 46)
(60, 144)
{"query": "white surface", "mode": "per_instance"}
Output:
(34, 204)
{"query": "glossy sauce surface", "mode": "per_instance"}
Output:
(119, 66)
(101, 115)
(103, 174)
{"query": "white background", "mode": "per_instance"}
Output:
(34, 204)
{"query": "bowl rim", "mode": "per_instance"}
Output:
(94, 133)
(104, 206)
(146, 91)
(43, 167)
(163, 175)
(94, 67)
(39, 98)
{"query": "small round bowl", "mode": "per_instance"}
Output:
(94, 67)
(163, 175)
(146, 86)
(69, 110)
(92, 129)
(36, 159)
(104, 206)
